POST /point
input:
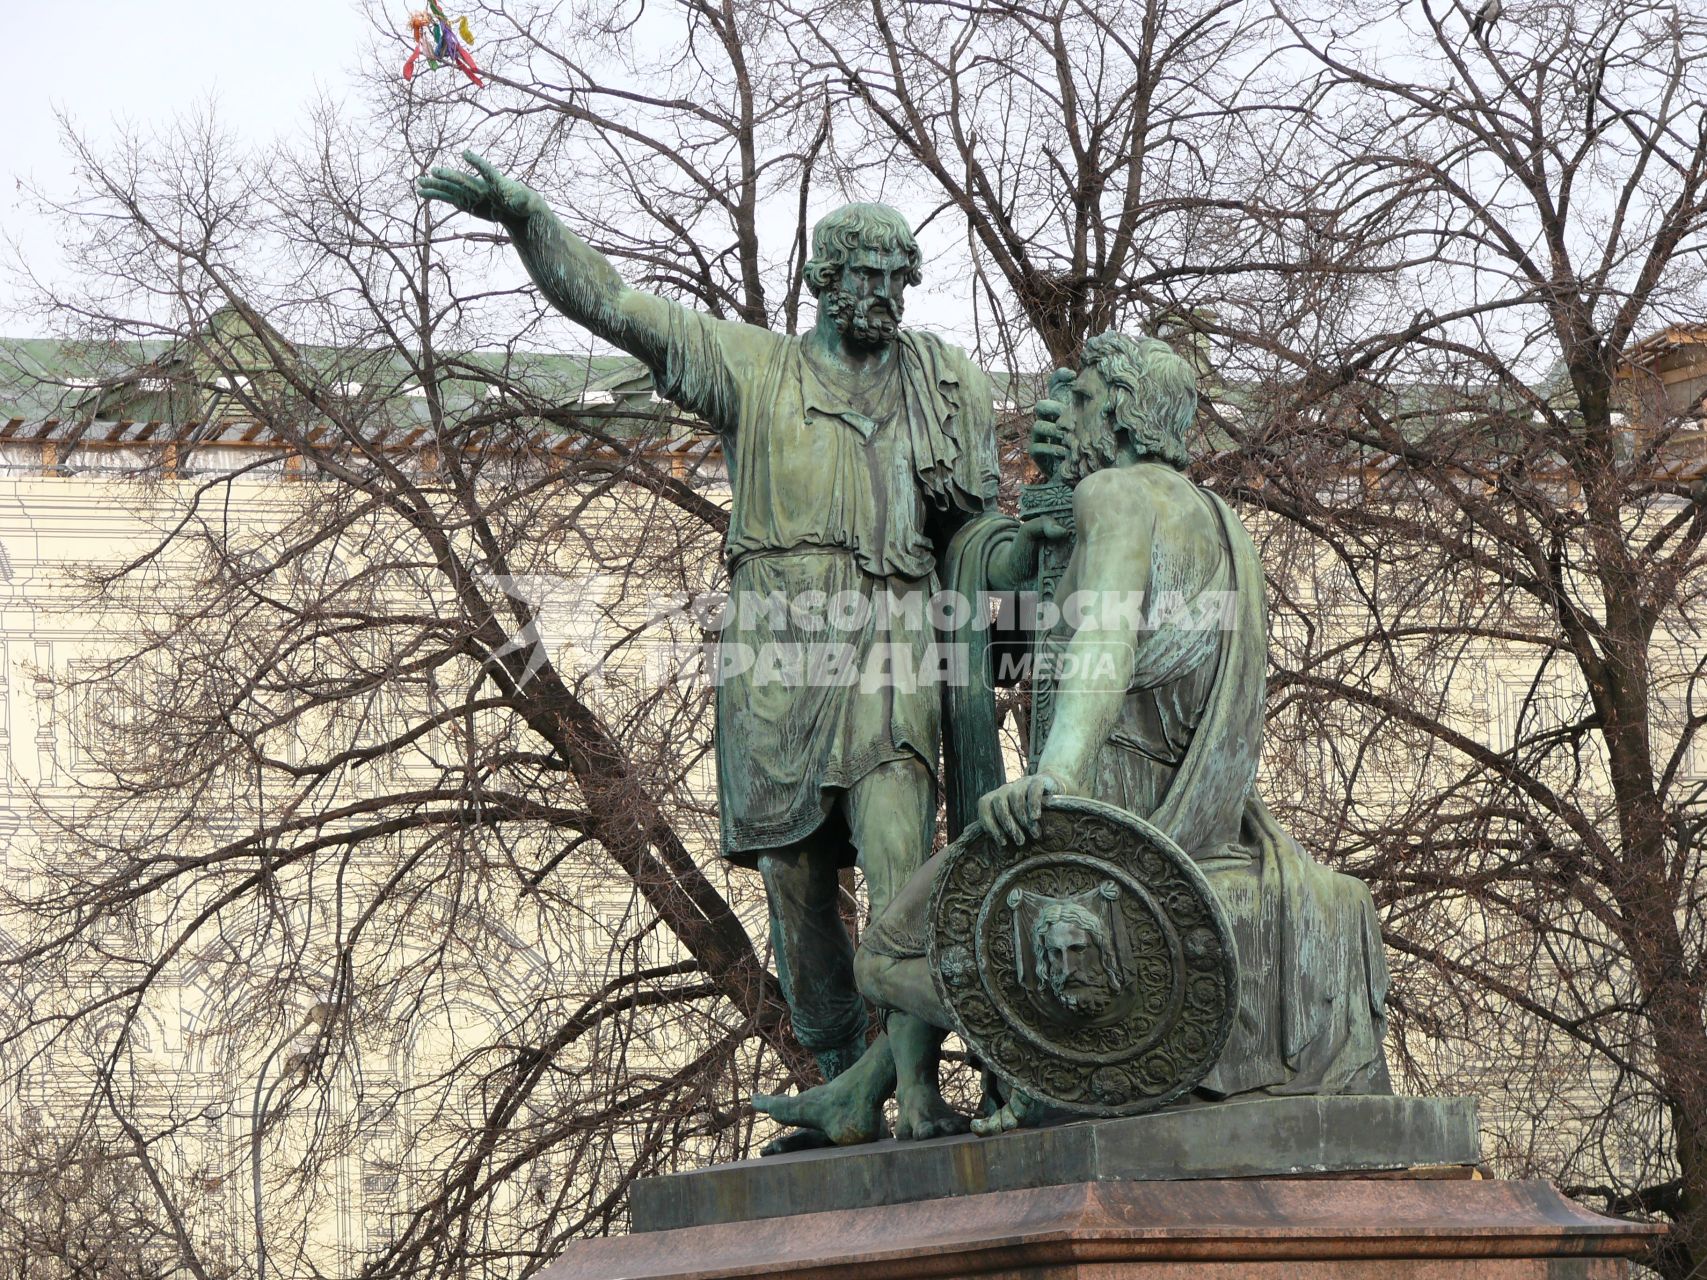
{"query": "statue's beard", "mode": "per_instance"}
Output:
(868, 323)
(1085, 455)
(1081, 1002)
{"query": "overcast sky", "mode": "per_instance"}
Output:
(108, 64)
(103, 61)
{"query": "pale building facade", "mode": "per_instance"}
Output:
(87, 479)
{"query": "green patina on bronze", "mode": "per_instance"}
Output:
(856, 452)
(862, 461)
(1159, 712)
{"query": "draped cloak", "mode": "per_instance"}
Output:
(844, 494)
(1183, 755)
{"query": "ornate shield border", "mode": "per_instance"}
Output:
(1168, 931)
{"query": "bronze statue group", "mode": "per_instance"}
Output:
(1124, 925)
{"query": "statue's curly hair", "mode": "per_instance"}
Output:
(858, 226)
(1152, 399)
(1065, 911)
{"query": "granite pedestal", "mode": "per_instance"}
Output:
(1265, 1189)
(1254, 1138)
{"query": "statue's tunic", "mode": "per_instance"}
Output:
(840, 496)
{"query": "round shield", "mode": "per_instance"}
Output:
(1093, 967)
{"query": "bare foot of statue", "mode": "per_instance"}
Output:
(832, 1062)
(922, 1115)
(796, 1140)
(848, 1110)
(1021, 1111)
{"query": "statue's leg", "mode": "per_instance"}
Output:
(812, 951)
(891, 816)
(847, 1110)
(891, 966)
(814, 963)
(920, 1110)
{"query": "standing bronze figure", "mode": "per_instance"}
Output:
(856, 452)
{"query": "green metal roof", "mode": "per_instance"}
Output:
(43, 378)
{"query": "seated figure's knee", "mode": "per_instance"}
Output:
(871, 974)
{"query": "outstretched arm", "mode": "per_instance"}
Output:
(575, 278)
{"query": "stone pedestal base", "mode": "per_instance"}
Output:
(1249, 1138)
(1245, 1229)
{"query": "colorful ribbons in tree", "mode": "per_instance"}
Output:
(435, 37)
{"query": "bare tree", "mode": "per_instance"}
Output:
(1491, 685)
(72, 1210)
(1090, 150)
(438, 883)
(1416, 264)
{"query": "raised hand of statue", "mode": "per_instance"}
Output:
(485, 193)
(1048, 436)
(574, 277)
